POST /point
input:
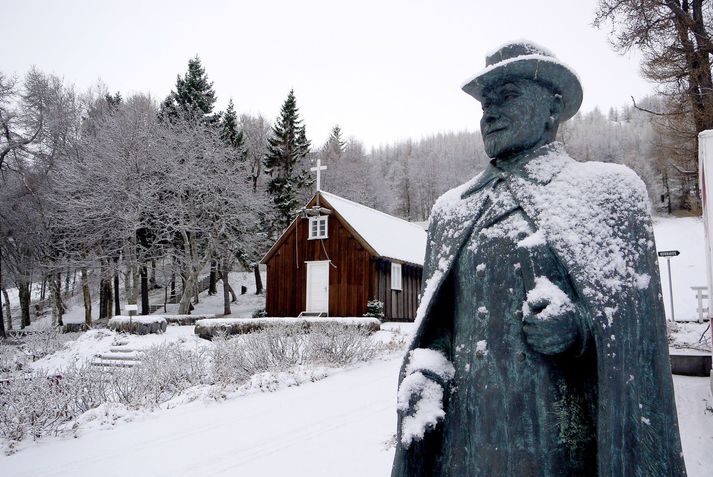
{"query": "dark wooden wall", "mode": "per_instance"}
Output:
(398, 304)
(350, 286)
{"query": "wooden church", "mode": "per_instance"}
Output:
(337, 255)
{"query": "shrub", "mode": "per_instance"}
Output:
(375, 309)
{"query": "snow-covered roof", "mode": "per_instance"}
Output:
(389, 236)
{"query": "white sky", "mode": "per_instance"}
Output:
(384, 70)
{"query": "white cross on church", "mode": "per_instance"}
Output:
(319, 170)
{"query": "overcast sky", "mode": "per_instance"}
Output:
(384, 70)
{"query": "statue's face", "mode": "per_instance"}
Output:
(517, 117)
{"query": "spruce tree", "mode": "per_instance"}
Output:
(287, 147)
(229, 130)
(194, 94)
(335, 144)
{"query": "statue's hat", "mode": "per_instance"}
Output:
(525, 60)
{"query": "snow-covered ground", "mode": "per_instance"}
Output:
(342, 425)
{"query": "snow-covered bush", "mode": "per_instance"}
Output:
(32, 406)
(340, 345)
(235, 326)
(235, 359)
(41, 342)
(166, 370)
(17, 354)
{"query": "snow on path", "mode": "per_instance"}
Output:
(338, 426)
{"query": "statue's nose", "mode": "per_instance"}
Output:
(490, 115)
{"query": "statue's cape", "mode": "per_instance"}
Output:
(595, 217)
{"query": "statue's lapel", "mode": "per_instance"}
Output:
(502, 204)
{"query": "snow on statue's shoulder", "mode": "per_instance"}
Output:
(587, 212)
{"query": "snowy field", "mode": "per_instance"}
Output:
(318, 422)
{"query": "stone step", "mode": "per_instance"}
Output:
(118, 357)
(115, 349)
(115, 364)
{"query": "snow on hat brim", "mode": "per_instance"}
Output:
(541, 68)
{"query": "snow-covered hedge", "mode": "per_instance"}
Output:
(138, 325)
(184, 320)
(235, 326)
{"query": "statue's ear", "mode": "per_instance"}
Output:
(555, 111)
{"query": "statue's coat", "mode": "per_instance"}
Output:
(595, 219)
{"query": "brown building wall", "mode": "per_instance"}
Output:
(398, 304)
(349, 285)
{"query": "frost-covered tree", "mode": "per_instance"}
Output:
(41, 123)
(287, 148)
(207, 204)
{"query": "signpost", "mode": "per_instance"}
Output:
(668, 254)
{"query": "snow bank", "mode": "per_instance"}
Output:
(232, 326)
(138, 325)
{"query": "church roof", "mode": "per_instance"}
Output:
(389, 236)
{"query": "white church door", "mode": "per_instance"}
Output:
(318, 286)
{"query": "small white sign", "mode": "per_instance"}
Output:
(132, 308)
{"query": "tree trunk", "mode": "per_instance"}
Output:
(56, 292)
(43, 290)
(213, 280)
(184, 307)
(135, 284)
(23, 289)
(117, 301)
(109, 291)
(6, 304)
(102, 297)
(258, 279)
(87, 298)
(226, 286)
(152, 278)
(67, 282)
(144, 290)
(233, 296)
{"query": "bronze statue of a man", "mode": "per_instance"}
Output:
(541, 346)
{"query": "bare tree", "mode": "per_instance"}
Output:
(674, 38)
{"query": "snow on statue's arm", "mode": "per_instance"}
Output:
(420, 396)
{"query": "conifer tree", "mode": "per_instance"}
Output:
(287, 147)
(230, 132)
(335, 144)
(194, 94)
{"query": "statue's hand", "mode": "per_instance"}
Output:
(550, 320)
(553, 335)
